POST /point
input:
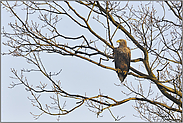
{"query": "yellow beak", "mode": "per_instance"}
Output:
(118, 41)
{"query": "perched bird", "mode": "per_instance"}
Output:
(122, 57)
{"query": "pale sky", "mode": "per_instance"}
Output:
(77, 77)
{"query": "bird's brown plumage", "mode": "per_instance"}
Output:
(122, 57)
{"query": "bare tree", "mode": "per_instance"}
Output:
(153, 33)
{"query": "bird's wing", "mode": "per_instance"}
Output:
(128, 57)
(122, 59)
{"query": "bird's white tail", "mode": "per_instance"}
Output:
(121, 78)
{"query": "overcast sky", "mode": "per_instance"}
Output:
(77, 77)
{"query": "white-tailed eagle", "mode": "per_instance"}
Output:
(122, 57)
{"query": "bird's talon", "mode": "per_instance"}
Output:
(125, 72)
(119, 71)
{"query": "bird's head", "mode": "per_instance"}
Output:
(122, 43)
